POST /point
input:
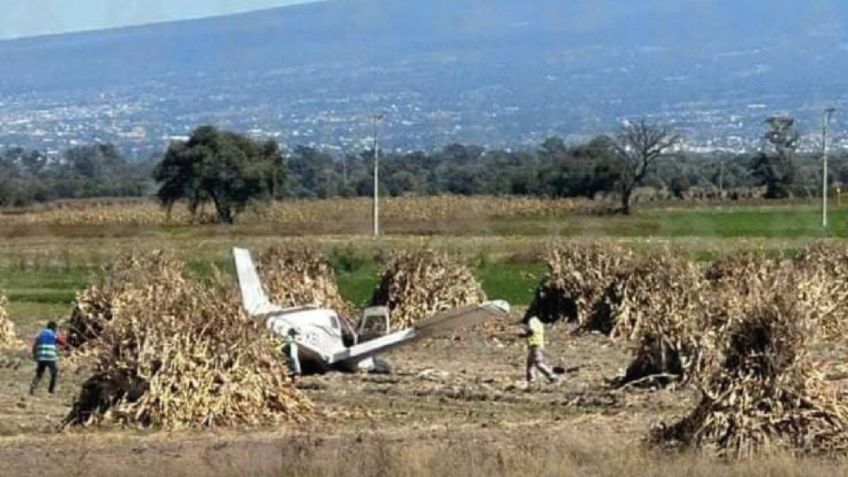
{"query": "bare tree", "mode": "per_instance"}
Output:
(640, 145)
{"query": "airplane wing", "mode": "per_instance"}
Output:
(441, 322)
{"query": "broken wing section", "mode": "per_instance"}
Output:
(437, 324)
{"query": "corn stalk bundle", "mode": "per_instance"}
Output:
(301, 276)
(577, 277)
(659, 308)
(827, 266)
(759, 393)
(184, 355)
(8, 338)
(421, 283)
(92, 309)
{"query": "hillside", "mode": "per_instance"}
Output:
(494, 71)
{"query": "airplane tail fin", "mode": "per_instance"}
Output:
(254, 299)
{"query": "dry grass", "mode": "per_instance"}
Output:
(531, 451)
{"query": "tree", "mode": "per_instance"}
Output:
(94, 160)
(776, 169)
(219, 166)
(639, 146)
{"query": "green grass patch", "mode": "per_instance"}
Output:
(501, 279)
(44, 285)
(29, 317)
(357, 285)
(513, 282)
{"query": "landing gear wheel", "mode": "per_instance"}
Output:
(381, 366)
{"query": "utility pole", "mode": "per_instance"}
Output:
(376, 211)
(828, 114)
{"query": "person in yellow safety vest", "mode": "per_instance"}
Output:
(534, 331)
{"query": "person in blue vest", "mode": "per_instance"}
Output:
(45, 352)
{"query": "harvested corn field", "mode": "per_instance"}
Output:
(417, 284)
(295, 212)
(668, 324)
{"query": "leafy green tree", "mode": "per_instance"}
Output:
(226, 168)
(776, 168)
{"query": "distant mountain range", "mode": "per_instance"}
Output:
(501, 72)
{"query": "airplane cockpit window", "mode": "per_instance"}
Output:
(334, 321)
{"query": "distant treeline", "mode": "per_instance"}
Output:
(553, 169)
(97, 170)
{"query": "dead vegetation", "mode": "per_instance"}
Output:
(177, 353)
(577, 277)
(826, 263)
(92, 310)
(659, 309)
(760, 393)
(8, 338)
(416, 284)
(297, 276)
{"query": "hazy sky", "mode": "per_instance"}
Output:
(21, 18)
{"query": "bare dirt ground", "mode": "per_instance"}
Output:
(453, 406)
(469, 383)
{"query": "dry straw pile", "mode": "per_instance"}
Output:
(8, 338)
(827, 265)
(297, 276)
(92, 309)
(577, 277)
(421, 283)
(659, 308)
(177, 353)
(759, 391)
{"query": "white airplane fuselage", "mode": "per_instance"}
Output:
(320, 337)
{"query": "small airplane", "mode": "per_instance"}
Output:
(322, 335)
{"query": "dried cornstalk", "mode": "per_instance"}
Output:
(8, 338)
(759, 391)
(577, 277)
(182, 354)
(92, 309)
(659, 307)
(826, 263)
(298, 276)
(421, 283)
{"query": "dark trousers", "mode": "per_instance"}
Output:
(39, 373)
(536, 360)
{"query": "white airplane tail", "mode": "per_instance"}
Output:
(254, 299)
